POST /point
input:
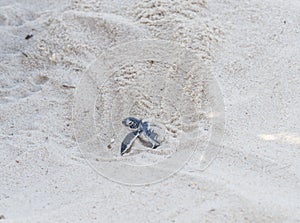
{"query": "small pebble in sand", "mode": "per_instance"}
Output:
(28, 36)
(68, 86)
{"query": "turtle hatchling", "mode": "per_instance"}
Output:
(139, 129)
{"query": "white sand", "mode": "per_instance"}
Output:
(253, 51)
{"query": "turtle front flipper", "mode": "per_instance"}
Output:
(127, 142)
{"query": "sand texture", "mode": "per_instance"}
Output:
(218, 80)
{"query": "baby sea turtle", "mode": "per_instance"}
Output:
(139, 129)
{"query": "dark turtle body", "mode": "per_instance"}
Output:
(139, 129)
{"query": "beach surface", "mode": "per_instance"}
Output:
(49, 160)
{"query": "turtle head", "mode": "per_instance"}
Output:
(132, 123)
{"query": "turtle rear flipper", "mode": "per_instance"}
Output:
(148, 142)
(127, 142)
(156, 145)
(149, 137)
